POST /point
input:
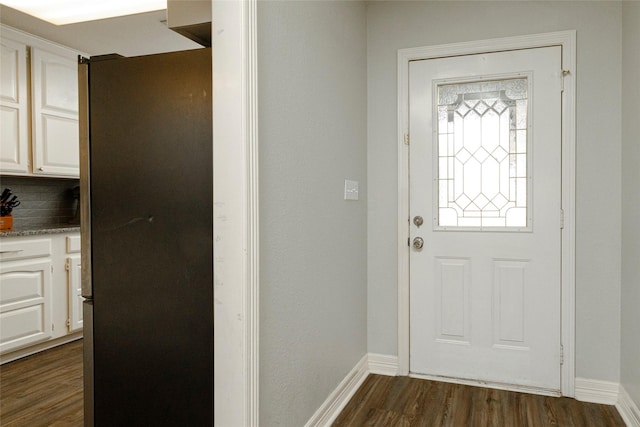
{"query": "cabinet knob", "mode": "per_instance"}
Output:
(41, 169)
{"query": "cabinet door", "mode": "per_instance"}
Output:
(54, 77)
(14, 138)
(75, 293)
(25, 303)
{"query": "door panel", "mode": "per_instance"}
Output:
(14, 140)
(452, 286)
(75, 292)
(485, 168)
(55, 113)
(25, 304)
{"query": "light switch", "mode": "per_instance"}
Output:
(350, 190)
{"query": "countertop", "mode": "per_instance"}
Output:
(36, 231)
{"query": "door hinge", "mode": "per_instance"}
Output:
(561, 219)
(67, 266)
(68, 322)
(409, 241)
(561, 354)
(52, 268)
(406, 139)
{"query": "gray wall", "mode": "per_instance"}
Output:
(395, 25)
(630, 357)
(312, 100)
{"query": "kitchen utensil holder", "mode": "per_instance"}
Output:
(6, 223)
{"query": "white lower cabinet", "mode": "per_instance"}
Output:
(40, 302)
(25, 303)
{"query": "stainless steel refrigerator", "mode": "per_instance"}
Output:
(147, 227)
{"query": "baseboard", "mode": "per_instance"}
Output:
(595, 391)
(338, 399)
(382, 364)
(586, 390)
(37, 348)
(628, 409)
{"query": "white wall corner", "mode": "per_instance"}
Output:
(383, 364)
(595, 391)
(338, 399)
(628, 409)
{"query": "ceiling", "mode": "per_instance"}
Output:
(140, 34)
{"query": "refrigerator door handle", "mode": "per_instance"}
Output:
(85, 178)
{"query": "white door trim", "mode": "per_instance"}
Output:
(236, 215)
(567, 40)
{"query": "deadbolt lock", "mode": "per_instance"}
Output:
(418, 221)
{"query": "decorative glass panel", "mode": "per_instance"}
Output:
(482, 154)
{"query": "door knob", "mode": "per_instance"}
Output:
(418, 243)
(417, 220)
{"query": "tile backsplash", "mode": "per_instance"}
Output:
(43, 201)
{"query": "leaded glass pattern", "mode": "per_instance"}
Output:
(482, 154)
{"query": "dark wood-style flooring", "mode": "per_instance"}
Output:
(44, 389)
(404, 401)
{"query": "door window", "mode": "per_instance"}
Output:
(482, 153)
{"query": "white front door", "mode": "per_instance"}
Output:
(485, 177)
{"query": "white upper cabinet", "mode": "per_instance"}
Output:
(40, 79)
(54, 78)
(14, 137)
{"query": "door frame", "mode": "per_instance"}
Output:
(567, 41)
(236, 215)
